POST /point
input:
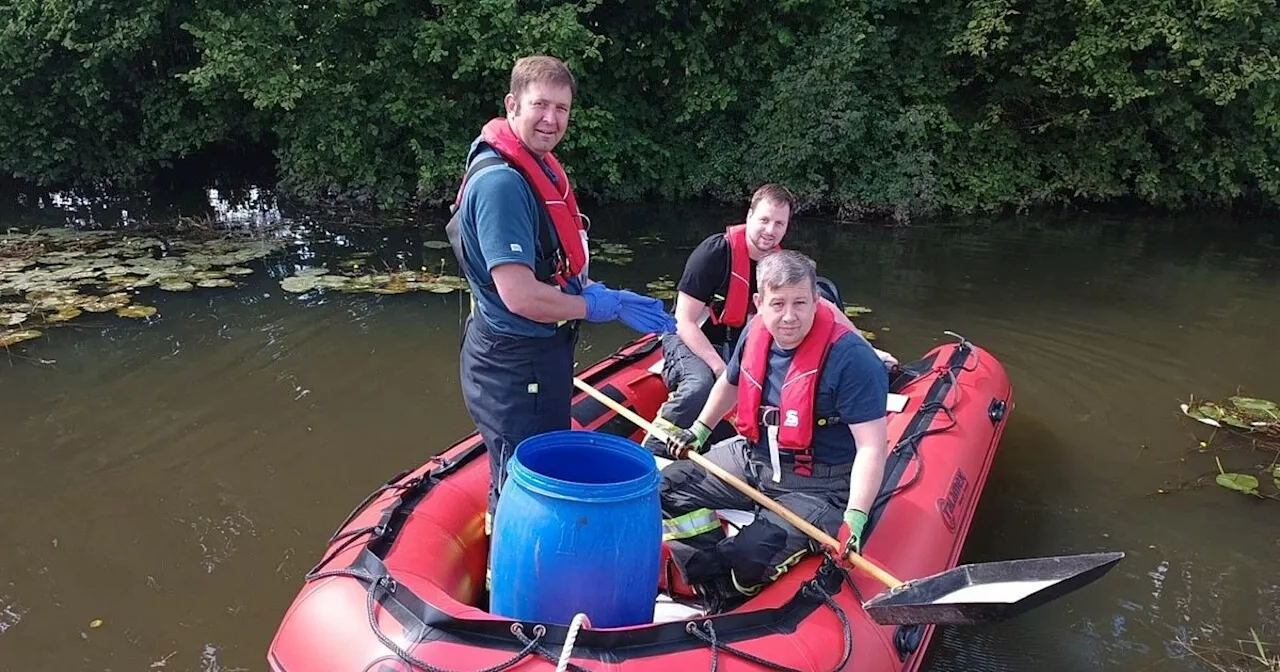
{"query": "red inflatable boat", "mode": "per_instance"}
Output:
(402, 584)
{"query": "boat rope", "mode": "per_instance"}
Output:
(391, 485)
(916, 456)
(546, 655)
(707, 633)
(570, 640)
(388, 585)
(349, 537)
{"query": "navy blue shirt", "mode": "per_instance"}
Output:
(853, 385)
(499, 216)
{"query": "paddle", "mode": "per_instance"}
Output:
(967, 594)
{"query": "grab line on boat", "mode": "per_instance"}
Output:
(707, 633)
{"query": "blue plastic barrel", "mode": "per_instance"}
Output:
(578, 528)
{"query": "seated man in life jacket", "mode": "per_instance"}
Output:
(810, 400)
(713, 304)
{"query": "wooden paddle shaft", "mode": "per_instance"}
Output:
(800, 523)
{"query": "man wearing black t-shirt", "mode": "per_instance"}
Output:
(713, 303)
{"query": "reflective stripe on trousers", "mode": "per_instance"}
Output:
(690, 524)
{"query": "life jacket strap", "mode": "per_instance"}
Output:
(771, 416)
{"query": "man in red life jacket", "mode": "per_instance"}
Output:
(713, 303)
(810, 399)
(519, 237)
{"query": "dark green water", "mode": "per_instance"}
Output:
(175, 478)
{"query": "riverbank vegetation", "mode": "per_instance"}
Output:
(884, 107)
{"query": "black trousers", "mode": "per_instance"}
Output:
(515, 388)
(731, 568)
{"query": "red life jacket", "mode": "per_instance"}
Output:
(738, 298)
(559, 203)
(796, 413)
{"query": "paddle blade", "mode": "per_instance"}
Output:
(988, 591)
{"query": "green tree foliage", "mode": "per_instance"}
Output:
(88, 91)
(882, 106)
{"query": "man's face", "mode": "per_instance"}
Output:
(540, 116)
(787, 312)
(766, 225)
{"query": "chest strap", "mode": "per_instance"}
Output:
(770, 416)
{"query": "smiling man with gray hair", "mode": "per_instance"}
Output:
(810, 398)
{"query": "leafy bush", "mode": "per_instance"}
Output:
(896, 107)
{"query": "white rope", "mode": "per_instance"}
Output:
(567, 651)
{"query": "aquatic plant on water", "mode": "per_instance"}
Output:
(1255, 420)
(1245, 414)
(1249, 655)
(52, 276)
(608, 252)
(351, 279)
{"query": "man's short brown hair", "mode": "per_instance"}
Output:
(773, 192)
(544, 69)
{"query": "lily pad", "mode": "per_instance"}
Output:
(851, 310)
(8, 338)
(63, 270)
(662, 288)
(63, 314)
(1244, 413)
(1239, 482)
(176, 286)
(299, 284)
(102, 304)
(611, 253)
(54, 258)
(398, 282)
(436, 244)
(333, 281)
(1203, 414)
(215, 282)
(451, 281)
(12, 319)
(136, 311)
(56, 300)
(1256, 406)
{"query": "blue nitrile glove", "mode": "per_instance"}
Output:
(681, 441)
(645, 314)
(603, 303)
(851, 532)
